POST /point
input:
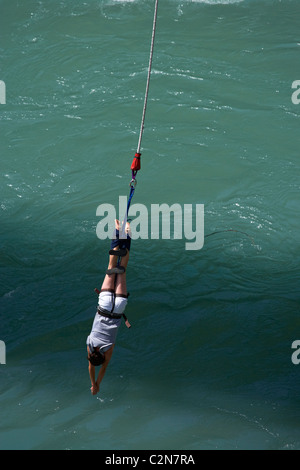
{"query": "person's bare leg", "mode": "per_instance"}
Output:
(121, 287)
(109, 280)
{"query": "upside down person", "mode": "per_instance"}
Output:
(112, 302)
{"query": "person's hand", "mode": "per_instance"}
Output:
(94, 389)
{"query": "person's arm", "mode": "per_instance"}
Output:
(94, 387)
(92, 376)
(103, 368)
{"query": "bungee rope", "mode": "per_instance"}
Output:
(148, 77)
(136, 163)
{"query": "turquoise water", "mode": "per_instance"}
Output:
(207, 362)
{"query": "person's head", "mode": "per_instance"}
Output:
(96, 357)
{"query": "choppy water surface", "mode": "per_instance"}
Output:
(207, 363)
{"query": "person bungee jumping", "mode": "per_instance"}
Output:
(113, 296)
(112, 302)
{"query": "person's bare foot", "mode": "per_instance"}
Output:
(118, 226)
